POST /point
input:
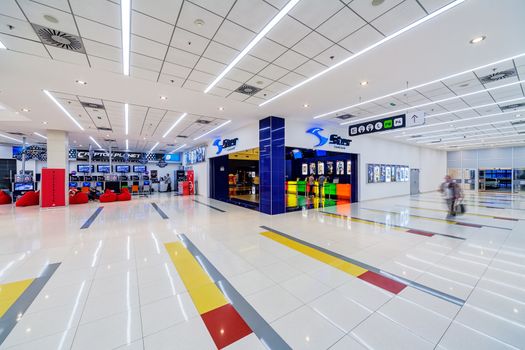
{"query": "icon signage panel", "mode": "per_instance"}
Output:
(379, 125)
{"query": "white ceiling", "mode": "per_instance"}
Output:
(174, 57)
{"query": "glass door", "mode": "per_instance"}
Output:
(469, 179)
(519, 180)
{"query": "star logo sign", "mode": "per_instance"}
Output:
(217, 143)
(315, 131)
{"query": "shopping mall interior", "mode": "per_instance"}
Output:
(262, 174)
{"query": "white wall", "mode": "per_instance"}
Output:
(371, 149)
(201, 176)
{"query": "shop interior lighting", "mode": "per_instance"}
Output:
(212, 130)
(254, 42)
(434, 102)
(420, 85)
(175, 124)
(63, 109)
(369, 48)
(154, 146)
(125, 15)
(40, 135)
(10, 138)
(95, 141)
(126, 117)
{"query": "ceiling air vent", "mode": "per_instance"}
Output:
(170, 144)
(202, 121)
(103, 128)
(162, 150)
(436, 141)
(518, 122)
(415, 136)
(498, 76)
(512, 106)
(247, 89)
(182, 136)
(92, 105)
(110, 140)
(60, 39)
(345, 116)
(521, 132)
(16, 133)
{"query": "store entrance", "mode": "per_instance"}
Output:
(497, 180)
(317, 178)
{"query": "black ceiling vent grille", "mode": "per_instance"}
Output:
(60, 39)
(415, 136)
(521, 132)
(104, 128)
(162, 150)
(182, 136)
(92, 105)
(247, 89)
(16, 133)
(492, 77)
(202, 121)
(170, 144)
(518, 122)
(512, 106)
(110, 140)
(345, 116)
(436, 141)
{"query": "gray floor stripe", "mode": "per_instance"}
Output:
(403, 280)
(91, 218)
(161, 213)
(266, 334)
(210, 206)
(11, 317)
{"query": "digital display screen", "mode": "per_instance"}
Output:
(73, 184)
(85, 168)
(297, 154)
(24, 186)
(146, 183)
(99, 184)
(139, 168)
(122, 168)
(103, 169)
(86, 184)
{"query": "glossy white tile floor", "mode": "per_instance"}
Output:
(116, 287)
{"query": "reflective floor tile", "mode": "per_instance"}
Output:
(274, 302)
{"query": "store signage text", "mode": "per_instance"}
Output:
(334, 139)
(378, 125)
(226, 144)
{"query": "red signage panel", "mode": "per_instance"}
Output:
(53, 188)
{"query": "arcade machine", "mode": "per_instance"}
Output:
(138, 180)
(100, 179)
(23, 183)
(180, 176)
(87, 179)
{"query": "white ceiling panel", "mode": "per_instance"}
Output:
(344, 23)
(99, 32)
(251, 64)
(233, 35)
(67, 56)
(195, 86)
(332, 55)
(228, 84)
(165, 10)
(252, 14)
(273, 72)
(368, 11)
(406, 13)
(102, 50)
(148, 47)
(290, 60)
(58, 4)
(11, 9)
(218, 91)
(277, 87)
(312, 45)
(291, 79)
(35, 13)
(259, 81)
(150, 28)
(176, 70)
(433, 5)
(145, 62)
(21, 28)
(238, 75)
(221, 53)
(238, 97)
(218, 7)
(182, 58)
(201, 77)
(184, 40)
(102, 11)
(104, 64)
(267, 50)
(190, 13)
(211, 67)
(171, 80)
(288, 32)
(23, 45)
(314, 12)
(310, 68)
(364, 37)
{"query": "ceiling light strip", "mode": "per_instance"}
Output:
(486, 143)
(2, 46)
(178, 148)
(127, 145)
(371, 47)
(174, 124)
(458, 134)
(125, 17)
(63, 109)
(95, 141)
(478, 137)
(11, 138)
(254, 42)
(126, 117)
(154, 146)
(212, 130)
(40, 135)
(435, 102)
(421, 85)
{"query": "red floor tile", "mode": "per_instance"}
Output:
(225, 325)
(382, 282)
(419, 232)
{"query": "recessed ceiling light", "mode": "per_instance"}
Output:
(221, 108)
(45, 123)
(478, 39)
(377, 2)
(163, 98)
(143, 138)
(80, 82)
(259, 82)
(50, 18)
(364, 83)
(80, 146)
(26, 110)
(199, 22)
(518, 115)
(306, 105)
(107, 135)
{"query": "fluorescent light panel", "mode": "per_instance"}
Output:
(175, 124)
(176, 149)
(127, 144)
(11, 138)
(63, 109)
(420, 85)
(254, 42)
(2, 46)
(154, 146)
(95, 141)
(40, 135)
(436, 102)
(212, 130)
(126, 117)
(371, 47)
(125, 16)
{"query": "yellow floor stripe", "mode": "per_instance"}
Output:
(205, 294)
(10, 292)
(342, 265)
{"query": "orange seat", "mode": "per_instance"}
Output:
(134, 189)
(85, 190)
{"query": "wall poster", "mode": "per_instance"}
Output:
(330, 168)
(340, 167)
(305, 169)
(370, 170)
(320, 168)
(386, 173)
(348, 167)
(312, 168)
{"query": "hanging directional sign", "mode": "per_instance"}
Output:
(415, 119)
(378, 125)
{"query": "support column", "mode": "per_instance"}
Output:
(272, 166)
(54, 184)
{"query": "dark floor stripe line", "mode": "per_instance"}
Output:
(161, 213)
(11, 317)
(210, 206)
(365, 266)
(266, 334)
(91, 218)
